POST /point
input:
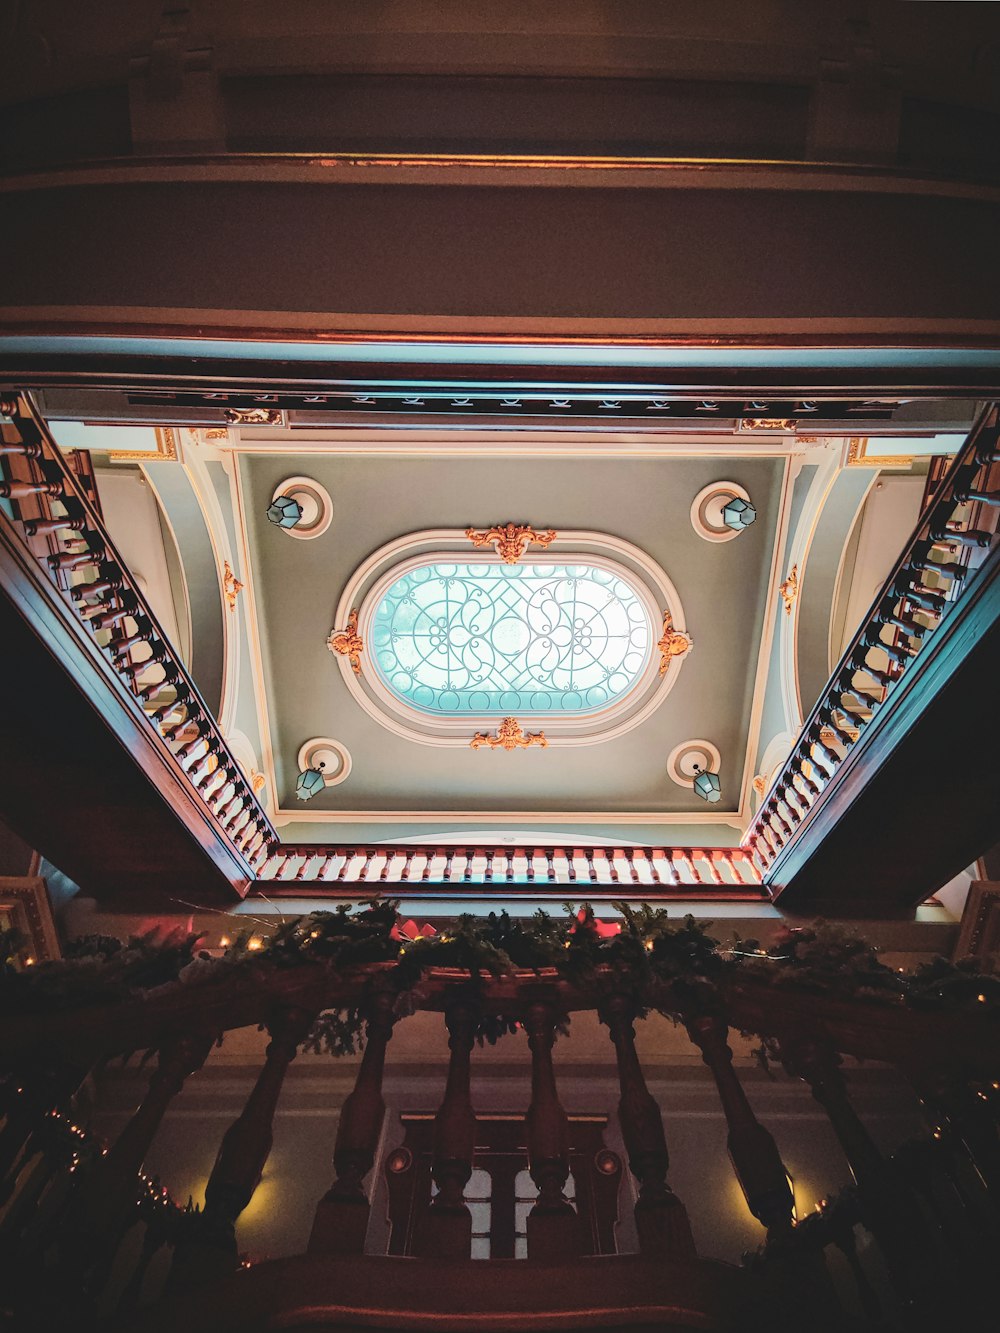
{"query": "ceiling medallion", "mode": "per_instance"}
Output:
(231, 586)
(675, 643)
(789, 590)
(308, 505)
(509, 737)
(511, 540)
(721, 511)
(328, 757)
(687, 760)
(348, 643)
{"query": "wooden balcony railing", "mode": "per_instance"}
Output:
(51, 513)
(63, 1219)
(956, 534)
(679, 872)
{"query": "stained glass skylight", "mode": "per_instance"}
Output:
(476, 638)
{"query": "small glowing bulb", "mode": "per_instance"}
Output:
(255, 943)
(224, 942)
(649, 946)
(981, 999)
(29, 962)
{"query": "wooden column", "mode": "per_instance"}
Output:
(341, 1219)
(211, 1250)
(109, 1195)
(447, 1229)
(752, 1150)
(553, 1226)
(661, 1219)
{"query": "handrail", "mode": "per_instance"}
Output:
(931, 576)
(683, 872)
(945, 1041)
(59, 526)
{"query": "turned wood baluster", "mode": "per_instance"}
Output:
(341, 1219)
(892, 1211)
(661, 1219)
(447, 1229)
(553, 1227)
(753, 1152)
(241, 1159)
(108, 1197)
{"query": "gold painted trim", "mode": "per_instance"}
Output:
(674, 643)
(348, 643)
(789, 590)
(766, 423)
(166, 449)
(509, 736)
(511, 540)
(858, 456)
(231, 586)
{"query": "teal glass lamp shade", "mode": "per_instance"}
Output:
(738, 513)
(308, 783)
(284, 512)
(708, 787)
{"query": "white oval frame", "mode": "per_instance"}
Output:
(366, 587)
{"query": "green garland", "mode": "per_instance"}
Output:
(645, 953)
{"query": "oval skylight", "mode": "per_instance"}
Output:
(475, 638)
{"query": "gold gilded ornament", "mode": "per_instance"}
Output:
(509, 737)
(789, 590)
(231, 586)
(348, 643)
(511, 540)
(675, 643)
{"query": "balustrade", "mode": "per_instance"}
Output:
(64, 533)
(956, 533)
(83, 1212)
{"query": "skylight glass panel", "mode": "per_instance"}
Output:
(475, 638)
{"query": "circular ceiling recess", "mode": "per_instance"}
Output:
(706, 510)
(331, 758)
(690, 758)
(315, 503)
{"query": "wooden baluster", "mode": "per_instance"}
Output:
(341, 1219)
(110, 583)
(446, 1232)
(49, 527)
(554, 1232)
(242, 1156)
(105, 1203)
(752, 1150)
(550, 865)
(661, 1219)
(892, 1212)
(21, 490)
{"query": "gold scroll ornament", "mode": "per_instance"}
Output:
(348, 643)
(231, 586)
(511, 540)
(509, 737)
(789, 590)
(675, 643)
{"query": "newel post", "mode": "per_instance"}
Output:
(341, 1220)
(661, 1219)
(447, 1229)
(553, 1226)
(212, 1251)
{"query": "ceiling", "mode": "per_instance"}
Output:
(726, 590)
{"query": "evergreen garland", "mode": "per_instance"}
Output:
(676, 965)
